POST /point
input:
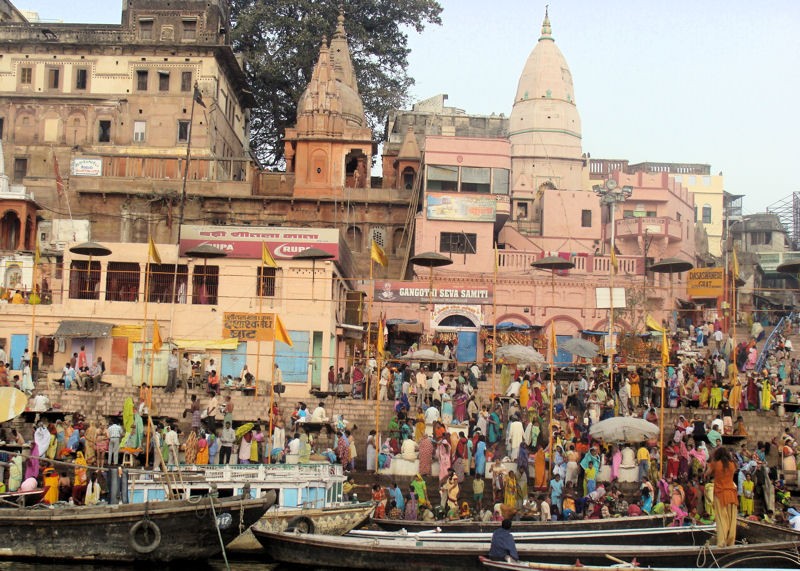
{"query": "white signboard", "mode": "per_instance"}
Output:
(86, 167)
(603, 298)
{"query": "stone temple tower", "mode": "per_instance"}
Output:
(545, 128)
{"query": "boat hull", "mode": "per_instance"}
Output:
(334, 520)
(159, 531)
(400, 555)
(490, 526)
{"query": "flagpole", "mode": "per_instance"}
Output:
(552, 389)
(30, 300)
(378, 400)
(664, 363)
(494, 325)
(146, 296)
(271, 397)
(150, 392)
(369, 319)
(260, 293)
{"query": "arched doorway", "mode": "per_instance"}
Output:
(460, 328)
(10, 228)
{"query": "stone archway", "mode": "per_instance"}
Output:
(10, 230)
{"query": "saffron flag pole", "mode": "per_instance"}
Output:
(279, 334)
(379, 348)
(157, 343)
(654, 325)
(34, 299)
(551, 390)
(267, 261)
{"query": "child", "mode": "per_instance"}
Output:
(478, 485)
(746, 499)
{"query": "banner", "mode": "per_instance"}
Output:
(250, 241)
(420, 292)
(461, 208)
(706, 282)
(248, 326)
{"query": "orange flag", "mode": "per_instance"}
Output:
(280, 332)
(157, 343)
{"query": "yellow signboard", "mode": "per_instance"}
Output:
(249, 326)
(706, 282)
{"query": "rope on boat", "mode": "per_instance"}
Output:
(211, 496)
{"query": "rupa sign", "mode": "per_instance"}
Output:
(245, 241)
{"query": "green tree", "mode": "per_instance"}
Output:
(280, 41)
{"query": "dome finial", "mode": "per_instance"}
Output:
(340, 33)
(547, 32)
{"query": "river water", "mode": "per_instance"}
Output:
(214, 565)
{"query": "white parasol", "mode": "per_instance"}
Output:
(520, 354)
(623, 429)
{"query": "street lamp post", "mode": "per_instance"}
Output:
(610, 194)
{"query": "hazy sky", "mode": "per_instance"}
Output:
(707, 81)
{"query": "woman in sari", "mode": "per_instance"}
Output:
(81, 480)
(50, 486)
(386, 454)
(540, 468)
(190, 448)
(202, 450)
(305, 450)
(493, 427)
(447, 409)
(411, 512)
(379, 497)
(789, 461)
(480, 457)
(510, 489)
(766, 394)
(460, 400)
(524, 393)
(419, 427)
(443, 455)
(425, 455)
(343, 450)
(371, 451)
(616, 462)
(460, 457)
(420, 490)
(91, 444)
(752, 358)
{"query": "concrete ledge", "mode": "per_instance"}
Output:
(401, 467)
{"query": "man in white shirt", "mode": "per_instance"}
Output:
(172, 371)
(40, 403)
(173, 445)
(475, 370)
(718, 339)
(383, 383)
(294, 444)
(226, 440)
(433, 381)
(431, 415)
(408, 451)
(513, 389)
(319, 414)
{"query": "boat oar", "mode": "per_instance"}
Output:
(618, 560)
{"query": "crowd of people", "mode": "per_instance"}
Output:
(540, 470)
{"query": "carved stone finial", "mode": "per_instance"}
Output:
(547, 31)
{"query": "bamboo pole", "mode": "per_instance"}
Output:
(271, 401)
(260, 293)
(494, 324)
(552, 388)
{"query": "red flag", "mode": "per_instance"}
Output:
(59, 180)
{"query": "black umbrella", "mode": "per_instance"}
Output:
(313, 254)
(671, 266)
(206, 252)
(430, 260)
(91, 249)
(790, 267)
(553, 264)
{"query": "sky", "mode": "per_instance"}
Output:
(681, 81)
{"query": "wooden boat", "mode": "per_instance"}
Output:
(460, 526)
(162, 531)
(687, 535)
(780, 551)
(530, 566)
(330, 520)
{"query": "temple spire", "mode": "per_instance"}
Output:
(547, 31)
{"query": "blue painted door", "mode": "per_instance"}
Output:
(293, 361)
(562, 358)
(467, 350)
(18, 345)
(234, 361)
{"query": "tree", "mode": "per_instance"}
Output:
(280, 42)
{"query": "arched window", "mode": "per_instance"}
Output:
(706, 214)
(353, 238)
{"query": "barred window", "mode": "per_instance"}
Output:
(267, 278)
(83, 283)
(163, 286)
(205, 285)
(122, 281)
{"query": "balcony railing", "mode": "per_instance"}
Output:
(656, 226)
(516, 260)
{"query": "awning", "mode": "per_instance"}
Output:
(204, 344)
(88, 329)
(403, 321)
(685, 303)
(413, 328)
(592, 332)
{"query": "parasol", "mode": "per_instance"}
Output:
(205, 252)
(430, 260)
(791, 267)
(520, 354)
(313, 254)
(553, 264)
(91, 249)
(424, 355)
(671, 266)
(580, 348)
(623, 429)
